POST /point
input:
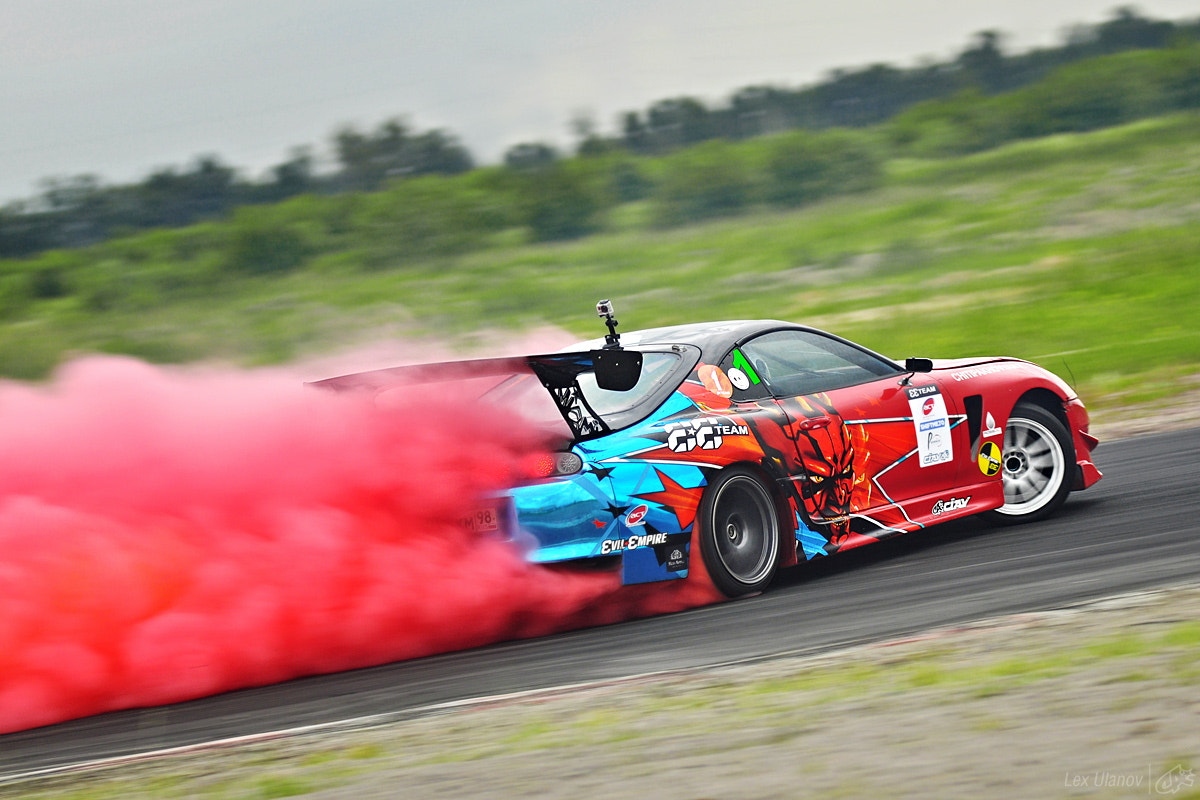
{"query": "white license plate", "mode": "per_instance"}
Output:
(484, 520)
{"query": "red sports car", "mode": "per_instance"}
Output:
(769, 443)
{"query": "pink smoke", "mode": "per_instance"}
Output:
(168, 534)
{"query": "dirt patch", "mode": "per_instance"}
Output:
(1177, 412)
(1101, 700)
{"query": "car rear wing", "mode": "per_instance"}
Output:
(615, 369)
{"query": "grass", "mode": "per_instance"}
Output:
(1078, 251)
(273, 786)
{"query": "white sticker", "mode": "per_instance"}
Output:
(992, 430)
(738, 379)
(932, 425)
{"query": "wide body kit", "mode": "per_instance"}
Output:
(820, 443)
(847, 466)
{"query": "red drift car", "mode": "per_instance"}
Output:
(773, 443)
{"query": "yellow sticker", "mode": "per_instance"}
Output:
(989, 458)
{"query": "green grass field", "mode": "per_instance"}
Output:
(1081, 252)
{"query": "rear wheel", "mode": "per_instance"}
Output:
(1036, 461)
(739, 532)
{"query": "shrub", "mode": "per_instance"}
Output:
(260, 245)
(702, 182)
(805, 167)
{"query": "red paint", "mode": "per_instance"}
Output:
(169, 534)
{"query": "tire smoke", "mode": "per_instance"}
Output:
(170, 534)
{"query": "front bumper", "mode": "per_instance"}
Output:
(1086, 472)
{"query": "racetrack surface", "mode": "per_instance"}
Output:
(1138, 527)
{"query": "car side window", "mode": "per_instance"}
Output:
(747, 384)
(793, 362)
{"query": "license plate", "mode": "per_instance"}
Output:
(484, 520)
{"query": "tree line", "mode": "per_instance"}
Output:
(680, 151)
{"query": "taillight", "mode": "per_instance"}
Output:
(552, 465)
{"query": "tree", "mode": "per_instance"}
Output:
(633, 133)
(588, 142)
(369, 160)
(1129, 30)
(983, 62)
(171, 198)
(294, 176)
(679, 122)
(530, 156)
(437, 152)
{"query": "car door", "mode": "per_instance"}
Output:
(873, 447)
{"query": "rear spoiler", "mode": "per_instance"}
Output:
(615, 369)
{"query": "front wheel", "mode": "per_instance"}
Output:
(739, 532)
(1036, 460)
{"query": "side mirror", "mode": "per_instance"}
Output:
(617, 370)
(918, 365)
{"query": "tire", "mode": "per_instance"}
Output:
(1036, 465)
(739, 532)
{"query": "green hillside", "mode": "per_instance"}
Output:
(1081, 251)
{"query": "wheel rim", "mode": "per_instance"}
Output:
(745, 532)
(1033, 464)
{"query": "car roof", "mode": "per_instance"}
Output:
(714, 339)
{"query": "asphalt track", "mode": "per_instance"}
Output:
(1139, 527)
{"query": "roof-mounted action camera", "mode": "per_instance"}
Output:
(617, 369)
(605, 309)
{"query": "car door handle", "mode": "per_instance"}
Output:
(812, 423)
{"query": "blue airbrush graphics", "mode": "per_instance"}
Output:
(588, 515)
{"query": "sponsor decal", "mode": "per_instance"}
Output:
(979, 372)
(989, 459)
(610, 546)
(932, 424)
(676, 560)
(701, 434)
(950, 504)
(739, 379)
(637, 516)
(992, 430)
(743, 366)
(715, 380)
(922, 391)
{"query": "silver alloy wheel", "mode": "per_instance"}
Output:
(746, 534)
(1034, 466)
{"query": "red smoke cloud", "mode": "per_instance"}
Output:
(167, 534)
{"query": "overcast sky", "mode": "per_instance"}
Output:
(119, 88)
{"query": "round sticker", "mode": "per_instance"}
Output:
(989, 459)
(927, 409)
(739, 379)
(715, 380)
(637, 516)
